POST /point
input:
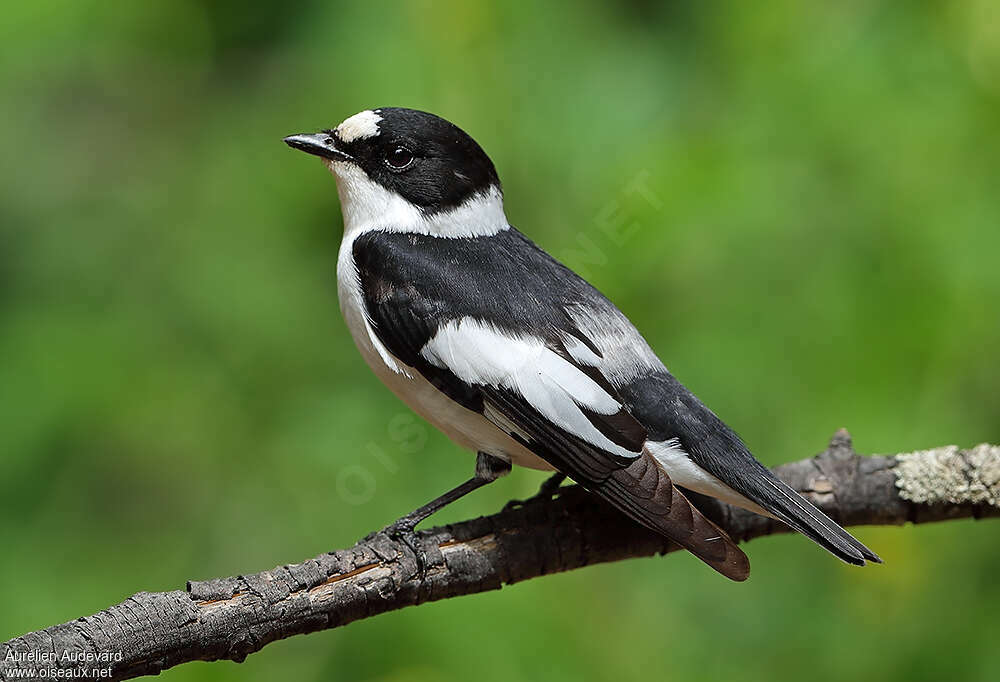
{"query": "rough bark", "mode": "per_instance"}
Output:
(229, 618)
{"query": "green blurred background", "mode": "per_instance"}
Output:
(179, 397)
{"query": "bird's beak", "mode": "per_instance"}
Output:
(319, 144)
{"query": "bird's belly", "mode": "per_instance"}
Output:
(463, 426)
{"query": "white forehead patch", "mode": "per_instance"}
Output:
(361, 126)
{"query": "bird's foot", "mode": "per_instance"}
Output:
(546, 491)
(403, 531)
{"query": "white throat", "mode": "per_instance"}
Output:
(367, 205)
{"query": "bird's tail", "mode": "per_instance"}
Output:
(644, 492)
(793, 509)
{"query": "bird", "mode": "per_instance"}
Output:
(516, 357)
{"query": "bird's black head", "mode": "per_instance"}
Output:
(430, 163)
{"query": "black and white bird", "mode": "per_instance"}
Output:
(516, 357)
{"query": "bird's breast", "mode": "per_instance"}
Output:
(466, 428)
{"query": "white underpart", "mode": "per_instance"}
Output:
(685, 473)
(479, 354)
(361, 126)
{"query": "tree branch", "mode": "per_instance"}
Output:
(229, 618)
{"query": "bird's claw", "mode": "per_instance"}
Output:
(398, 529)
(402, 531)
(546, 491)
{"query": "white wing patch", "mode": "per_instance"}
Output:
(361, 126)
(479, 354)
(580, 351)
(626, 354)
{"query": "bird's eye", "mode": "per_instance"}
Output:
(399, 158)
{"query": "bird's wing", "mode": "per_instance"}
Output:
(675, 415)
(531, 386)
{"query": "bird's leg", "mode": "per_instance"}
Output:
(488, 469)
(545, 492)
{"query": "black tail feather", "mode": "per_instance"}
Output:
(801, 515)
